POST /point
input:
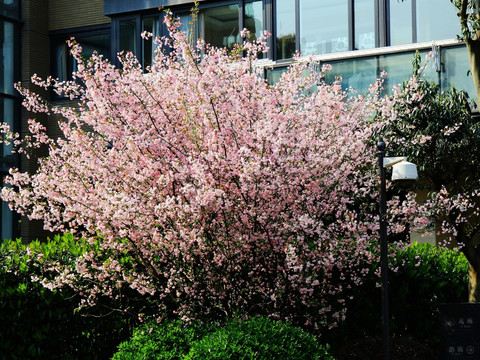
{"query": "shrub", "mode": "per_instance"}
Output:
(426, 277)
(37, 323)
(422, 276)
(257, 338)
(167, 340)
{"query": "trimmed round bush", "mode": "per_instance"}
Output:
(258, 338)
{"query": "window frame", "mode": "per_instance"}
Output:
(11, 229)
(61, 36)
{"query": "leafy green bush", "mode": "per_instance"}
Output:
(167, 340)
(426, 277)
(422, 276)
(37, 323)
(257, 338)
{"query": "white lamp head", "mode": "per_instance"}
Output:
(404, 170)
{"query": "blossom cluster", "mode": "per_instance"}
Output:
(211, 190)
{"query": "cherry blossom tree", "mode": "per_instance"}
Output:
(206, 188)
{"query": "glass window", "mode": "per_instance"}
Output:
(218, 26)
(151, 25)
(401, 25)
(436, 20)
(7, 107)
(323, 26)
(128, 35)
(274, 74)
(7, 110)
(187, 25)
(254, 18)
(357, 74)
(9, 8)
(398, 68)
(456, 67)
(7, 221)
(7, 55)
(64, 64)
(364, 12)
(285, 28)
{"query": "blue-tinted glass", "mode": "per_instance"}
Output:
(10, 8)
(399, 68)
(7, 55)
(7, 115)
(285, 28)
(7, 221)
(364, 11)
(64, 64)
(456, 66)
(436, 20)
(90, 43)
(218, 26)
(187, 25)
(357, 74)
(128, 35)
(400, 24)
(150, 25)
(254, 18)
(323, 26)
(273, 75)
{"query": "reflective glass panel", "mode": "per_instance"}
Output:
(254, 18)
(456, 66)
(10, 8)
(323, 26)
(399, 68)
(218, 26)
(8, 116)
(285, 28)
(400, 22)
(364, 11)
(7, 113)
(7, 56)
(357, 74)
(128, 35)
(90, 43)
(187, 25)
(151, 25)
(7, 221)
(273, 75)
(436, 20)
(65, 64)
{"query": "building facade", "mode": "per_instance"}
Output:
(359, 38)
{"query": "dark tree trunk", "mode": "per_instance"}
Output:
(473, 47)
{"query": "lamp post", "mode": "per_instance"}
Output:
(383, 251)
(402, 171)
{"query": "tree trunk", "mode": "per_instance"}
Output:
(473, 47)
(473, 283)
(472, 253)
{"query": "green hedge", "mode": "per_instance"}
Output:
(257, 339)
(422, 276)
(37, 323)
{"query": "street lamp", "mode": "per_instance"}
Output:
(402, 171)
